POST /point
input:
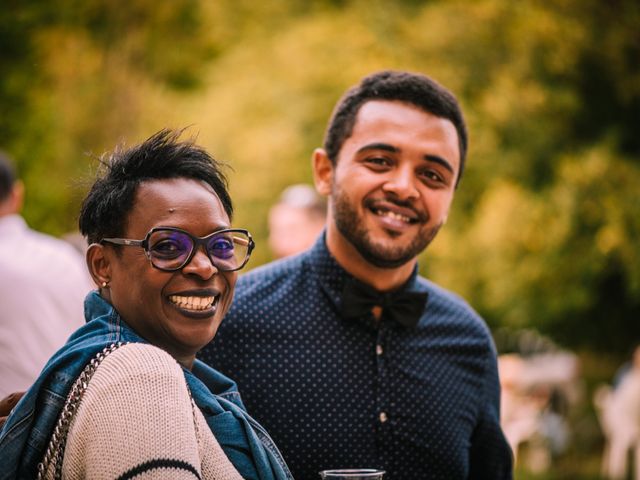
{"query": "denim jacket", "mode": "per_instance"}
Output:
(25, 435)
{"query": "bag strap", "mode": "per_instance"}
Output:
(55, 450)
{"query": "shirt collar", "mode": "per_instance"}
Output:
(12, 224)
(332, 276)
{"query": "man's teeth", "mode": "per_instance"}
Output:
(192, 303)
(397, 216)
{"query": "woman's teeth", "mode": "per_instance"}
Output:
(192, 303)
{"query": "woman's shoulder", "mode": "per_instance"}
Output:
(137, 366)
(141, 357)
(137, 415)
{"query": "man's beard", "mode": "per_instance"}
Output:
(350, 226)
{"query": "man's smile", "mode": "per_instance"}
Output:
(397, 214)
(393, 215)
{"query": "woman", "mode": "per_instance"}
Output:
(126, 397)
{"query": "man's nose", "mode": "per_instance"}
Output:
(403, 183)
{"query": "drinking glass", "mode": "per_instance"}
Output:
(352, 474)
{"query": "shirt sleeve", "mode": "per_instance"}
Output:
(136, 420)
(490, 455)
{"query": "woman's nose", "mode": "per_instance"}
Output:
(201, 265)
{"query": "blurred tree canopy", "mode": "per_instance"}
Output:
(545, 226)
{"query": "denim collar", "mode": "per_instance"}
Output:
(26, 433)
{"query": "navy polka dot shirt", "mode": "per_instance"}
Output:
(419, 403)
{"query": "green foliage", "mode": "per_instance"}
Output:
(544, 228)
(79, 76)
(564, 259)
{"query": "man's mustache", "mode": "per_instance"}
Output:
(420, 216)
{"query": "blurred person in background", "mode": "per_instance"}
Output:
(627, 367)
(43, 282)
(618, 408)
(296, 220)
(538, 389)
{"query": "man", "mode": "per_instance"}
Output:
(43, 282)
(345, 354)
(296, 220)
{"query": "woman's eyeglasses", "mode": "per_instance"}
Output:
(170, 249)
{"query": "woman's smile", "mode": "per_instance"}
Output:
(195, 304)
(192, 302)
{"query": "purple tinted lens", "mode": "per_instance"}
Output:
(224, 251)
(169, 249)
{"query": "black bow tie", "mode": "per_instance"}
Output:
(402, 306)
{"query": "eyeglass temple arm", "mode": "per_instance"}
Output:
(124, 241)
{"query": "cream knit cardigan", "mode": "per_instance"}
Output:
(136, 420)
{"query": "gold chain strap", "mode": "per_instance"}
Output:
(55, 450)
(193, 408)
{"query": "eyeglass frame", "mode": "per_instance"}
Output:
(197, 242)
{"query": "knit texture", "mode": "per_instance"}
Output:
(137, 420)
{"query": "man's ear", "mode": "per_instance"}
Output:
(322, 171)
(99, 264)
(13, 202)
(18, 196)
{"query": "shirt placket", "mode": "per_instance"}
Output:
(383, 420)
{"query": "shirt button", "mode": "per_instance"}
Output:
(383, 417)
(379, 350)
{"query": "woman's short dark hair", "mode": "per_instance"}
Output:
(413, 88)
(106, 207)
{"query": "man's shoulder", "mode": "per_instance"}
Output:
(450, 307)
(444, 296)
(62, 248)
(268, 284)
(28, 247)
(278, 274)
